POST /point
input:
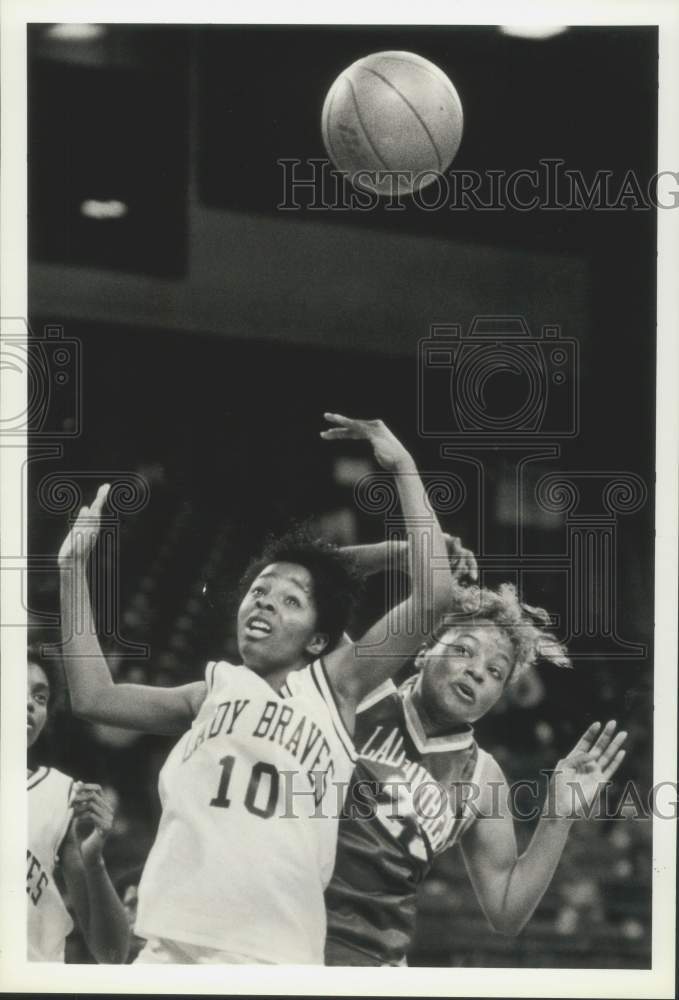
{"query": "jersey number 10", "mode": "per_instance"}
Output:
(222, 801)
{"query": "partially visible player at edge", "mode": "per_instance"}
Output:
(419, 762)
(242, 857)
(68, 823)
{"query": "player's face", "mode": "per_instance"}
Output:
(465, 673)
(38, 702)
(277, 619)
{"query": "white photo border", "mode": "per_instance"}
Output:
(15, 972)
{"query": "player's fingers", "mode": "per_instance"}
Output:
(84, 809)
(94, 809)
(95, 813)
(614, 765)
(79, 796)
(101, 812)
(611, 750)
(464, 558)
(100, 499)
(340, 434)
(468, 561)
(88, 524)
(361, 428)
(587, 739)
(605, 737)
(337, 418)
(83, 797)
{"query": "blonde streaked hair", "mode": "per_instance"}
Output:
(524, 625)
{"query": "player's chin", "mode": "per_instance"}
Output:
(254, 655)
(249, 654)
(457, 711)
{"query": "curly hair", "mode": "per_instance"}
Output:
(336, 581)
(524, 625)
(53, 671)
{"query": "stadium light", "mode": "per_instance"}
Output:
(533, 30)
(75, 32)
(92, 208)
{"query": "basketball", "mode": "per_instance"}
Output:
(392, 111)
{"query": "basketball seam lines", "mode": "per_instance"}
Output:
(414, 111)
(447, 84)
(365, 131)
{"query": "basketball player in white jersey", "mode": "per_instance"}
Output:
(68, 823)
(252, 791)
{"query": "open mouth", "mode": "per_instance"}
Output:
(465, 692)
(257, 627)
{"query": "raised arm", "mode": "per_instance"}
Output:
(93, 693)
(509, 886)
(380, 557)
(355, 670)
(98, 909)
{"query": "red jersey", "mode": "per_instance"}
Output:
(408, 802)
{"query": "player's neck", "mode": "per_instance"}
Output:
(277, 677)
(431, 725)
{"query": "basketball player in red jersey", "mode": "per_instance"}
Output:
(68, 823)
(422, 784)
(236, 874)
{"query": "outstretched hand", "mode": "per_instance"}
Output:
(82, 537)
(388, 450)
(581, 776)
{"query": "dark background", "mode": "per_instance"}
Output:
(214, 330)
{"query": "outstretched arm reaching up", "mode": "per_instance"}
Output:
(354, 670)
(93, 693)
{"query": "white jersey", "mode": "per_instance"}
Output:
(49, 815)
(251, 796)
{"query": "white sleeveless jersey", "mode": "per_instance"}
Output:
(49, 815)
(251, 796)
